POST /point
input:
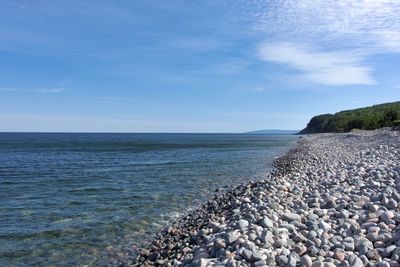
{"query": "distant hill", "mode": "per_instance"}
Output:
(277, 132)
(369, 118)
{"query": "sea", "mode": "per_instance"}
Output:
(76, 199)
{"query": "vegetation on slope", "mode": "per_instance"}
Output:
(369, 118)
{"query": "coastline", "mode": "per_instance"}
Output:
(332, 199)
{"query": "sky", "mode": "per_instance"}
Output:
(192, 66)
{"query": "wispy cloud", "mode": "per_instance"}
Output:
(328, 68)
(41, 90)
(58, 87)
(368, 23)
(342, 27)
(259, 88)
(51, 90)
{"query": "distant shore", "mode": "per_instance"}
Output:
(333, 200)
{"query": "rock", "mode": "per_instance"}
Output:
(282, 242)
(267, 223)
(246, 254)
(373, 254)
(293, 259)
(291, 217)
(389, 250)
(306, 261)
(383, 264)
(257, 256)
(348, 243)
(232, 237)
(300, 249)
(230, 263)
(282, 260)
(324, 226)
(153, 256)
(339, 254)
(242, 224)
(373, 208)
(202, 262)
(252, 236)
(364, 246)
(220, 243)
(267, 236)
(260, 263)
(387, 216)
(344, 214)
(317, 263)
(355, 261)
(392, 204)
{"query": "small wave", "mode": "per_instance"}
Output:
(155, 162)
(66, 220)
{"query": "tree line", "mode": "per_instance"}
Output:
(369, 118)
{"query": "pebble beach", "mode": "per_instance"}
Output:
(332, 200)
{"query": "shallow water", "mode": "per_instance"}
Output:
(74, 199)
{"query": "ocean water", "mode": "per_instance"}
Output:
(82, 199)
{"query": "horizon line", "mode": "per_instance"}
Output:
(122, 132)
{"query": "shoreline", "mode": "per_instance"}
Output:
(269, 223)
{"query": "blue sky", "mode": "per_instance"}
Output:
(192, 66)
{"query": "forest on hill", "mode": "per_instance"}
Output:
(368, 118)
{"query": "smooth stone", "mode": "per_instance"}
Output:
(256, 256)
(339, 254)
(324, 225)
(392, 204)
(306, 260)
(246, 254)
(282, 260)
(389, 250)
(355, 261)
(364, 246)
(344, 214)
(267, 223)
(252, 236)
(373, 254)
(232, 237)
(242, 224)
(280, 243)
(220, 243)
(260, 263)
(387, 216)
(291, 217)
(383, 264)
(293, 259)
(300, 249)
(317, 263)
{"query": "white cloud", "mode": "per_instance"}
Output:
(372, 24)
(328, 68)
(350, 30)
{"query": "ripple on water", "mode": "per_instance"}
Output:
(67, 198)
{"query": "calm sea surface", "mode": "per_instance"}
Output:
(76, 199)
